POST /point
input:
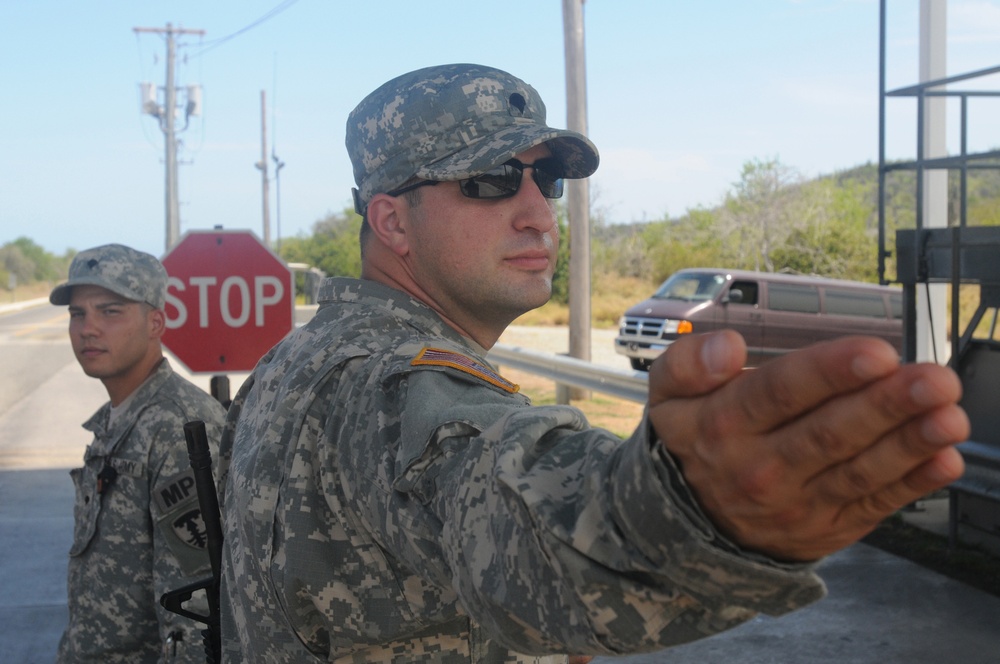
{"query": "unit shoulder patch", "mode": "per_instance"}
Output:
(445, 358)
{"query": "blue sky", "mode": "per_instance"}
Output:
(681, 93)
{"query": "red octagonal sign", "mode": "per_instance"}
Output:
(229, 299)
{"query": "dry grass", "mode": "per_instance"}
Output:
(611, 295)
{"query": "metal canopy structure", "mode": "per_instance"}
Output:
(957, 255)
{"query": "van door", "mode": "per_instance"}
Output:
(793, 318)
(740, 311)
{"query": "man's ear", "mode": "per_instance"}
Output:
(157, 320)
(388, 218)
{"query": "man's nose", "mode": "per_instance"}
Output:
(84, 326)
(539, 213)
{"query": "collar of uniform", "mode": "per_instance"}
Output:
(137, 402)
(373, 295)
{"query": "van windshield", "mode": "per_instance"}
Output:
(691, 287)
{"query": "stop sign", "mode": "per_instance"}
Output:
(229, 299)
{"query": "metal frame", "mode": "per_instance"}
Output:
(963, 162)
(955, 255)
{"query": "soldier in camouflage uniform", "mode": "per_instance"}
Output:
(392, 498)
(138, 531)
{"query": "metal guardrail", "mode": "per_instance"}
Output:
(621, 383)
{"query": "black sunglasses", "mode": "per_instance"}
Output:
(504, 180)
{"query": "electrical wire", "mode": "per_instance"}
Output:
(266, 17)
(143, 77)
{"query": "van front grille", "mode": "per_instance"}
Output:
(644, 328)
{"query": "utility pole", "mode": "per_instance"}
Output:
(167, 115)
(262, 165)
(578, 191)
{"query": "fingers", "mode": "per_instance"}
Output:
(694, 365)
(791, 386)
(760, 401)
(841, 428)
(908, 462)
(805, 454)
(941, 470)
(860, 517)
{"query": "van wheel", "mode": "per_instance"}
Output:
(639, 364)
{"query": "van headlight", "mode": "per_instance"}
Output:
(671, 326)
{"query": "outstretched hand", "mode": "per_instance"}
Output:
(806, 454)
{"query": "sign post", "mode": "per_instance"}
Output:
(229, 300)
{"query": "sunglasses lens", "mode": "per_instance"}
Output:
(499, 182)
(548, 176)
(505, 180)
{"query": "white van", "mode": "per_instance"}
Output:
(775, 313)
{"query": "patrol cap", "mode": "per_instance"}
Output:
(451, 122)
(134, 275)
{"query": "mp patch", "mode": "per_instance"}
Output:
(180, 522)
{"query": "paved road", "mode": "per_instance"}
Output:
(881, 609)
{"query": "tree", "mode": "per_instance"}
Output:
(621, 249)
(834, 238)
(758, 215)
(333, 246)
(692, 241)
(29, 262)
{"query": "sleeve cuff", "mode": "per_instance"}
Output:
(680, 541)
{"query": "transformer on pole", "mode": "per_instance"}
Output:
(167, 114)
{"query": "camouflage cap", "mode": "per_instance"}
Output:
(451, 122)
(134, 275)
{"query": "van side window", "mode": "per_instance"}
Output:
(854, 303)
(790, 297)
(896, 304)
(749, 291)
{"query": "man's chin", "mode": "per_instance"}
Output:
(92, 368)
(535, 299)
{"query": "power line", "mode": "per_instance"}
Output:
(266, 17)
(166, 114)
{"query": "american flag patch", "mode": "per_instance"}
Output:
(444, 358)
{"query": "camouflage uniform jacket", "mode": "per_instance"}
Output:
(392, 499)
(138, 530)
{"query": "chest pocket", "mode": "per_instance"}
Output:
(95, 483)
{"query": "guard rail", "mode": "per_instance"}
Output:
(565, 370)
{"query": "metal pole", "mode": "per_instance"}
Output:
(578, 191)
(932, 184)
(882, 251)
(170, 141)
